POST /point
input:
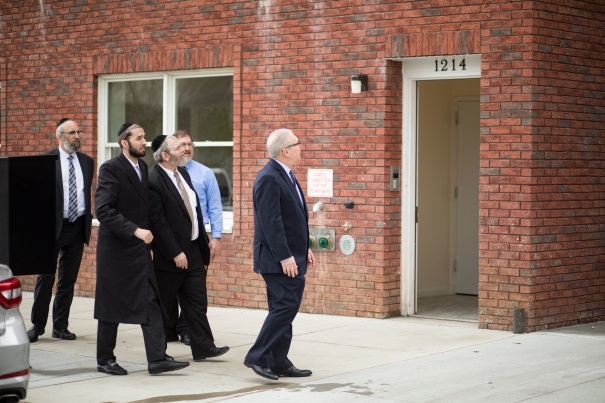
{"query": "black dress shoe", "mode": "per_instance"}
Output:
(213, 352)
(112, 368)
(186, 340)
(63, 334)
(33, 333)
(293, 372)
(262, 371)
(165, 366)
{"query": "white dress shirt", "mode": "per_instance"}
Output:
(190, 195)
(79, 183)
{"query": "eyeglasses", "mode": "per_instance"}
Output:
(74, 132)
(293, 145)
(187, 145)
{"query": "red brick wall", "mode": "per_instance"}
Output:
(541, 139)
(542, 164)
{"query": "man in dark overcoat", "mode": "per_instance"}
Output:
(281, 254)
(180, 245)
(126, 289)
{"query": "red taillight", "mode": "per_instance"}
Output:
(10, 293)
(15, 374)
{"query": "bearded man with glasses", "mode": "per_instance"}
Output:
(74, 172)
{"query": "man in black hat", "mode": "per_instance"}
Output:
(127, 290)
(180, 245)
(74, 171)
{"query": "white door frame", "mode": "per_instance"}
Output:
(413, 70)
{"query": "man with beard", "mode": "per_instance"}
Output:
(127, 290)
(74, 171)
(206, 187)
(180, 244)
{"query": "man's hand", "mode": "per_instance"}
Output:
(181, 261)
(215, 247)
(289, 267)
(310, 259)
(144, 235)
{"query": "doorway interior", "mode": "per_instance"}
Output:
(447, 199)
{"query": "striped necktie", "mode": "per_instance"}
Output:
(72, 210)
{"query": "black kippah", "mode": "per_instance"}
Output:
(124, 127)
(62, 121)
(157, 142)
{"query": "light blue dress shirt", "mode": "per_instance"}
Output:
(206, 187)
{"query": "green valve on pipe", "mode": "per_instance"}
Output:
(325, 242)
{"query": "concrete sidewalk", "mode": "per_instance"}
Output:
(353, 359)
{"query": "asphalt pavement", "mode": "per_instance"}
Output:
(352, 359)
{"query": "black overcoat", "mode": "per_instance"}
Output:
(124, 265)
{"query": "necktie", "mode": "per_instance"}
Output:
(295, 185)
(72, 210)
(138, 169)
(185, 197)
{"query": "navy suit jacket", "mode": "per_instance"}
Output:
(87, 164)
(281, 225)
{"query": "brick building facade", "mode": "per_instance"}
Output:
(540, 88)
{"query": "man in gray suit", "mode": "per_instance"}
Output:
(74, 172)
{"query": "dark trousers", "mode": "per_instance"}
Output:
(69, 249)
(175, 321)
(190, 287)
(284, 296)
(153, 333)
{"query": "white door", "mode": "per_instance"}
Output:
(466, 242)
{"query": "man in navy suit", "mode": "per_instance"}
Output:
(74, 171)
(281, 254)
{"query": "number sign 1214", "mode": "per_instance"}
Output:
(449, 65)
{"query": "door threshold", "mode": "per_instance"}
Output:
(448, 319)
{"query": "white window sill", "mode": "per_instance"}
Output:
(227, 223)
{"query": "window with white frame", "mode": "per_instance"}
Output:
(199, 101)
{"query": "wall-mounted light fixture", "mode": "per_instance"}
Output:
(359, 82)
